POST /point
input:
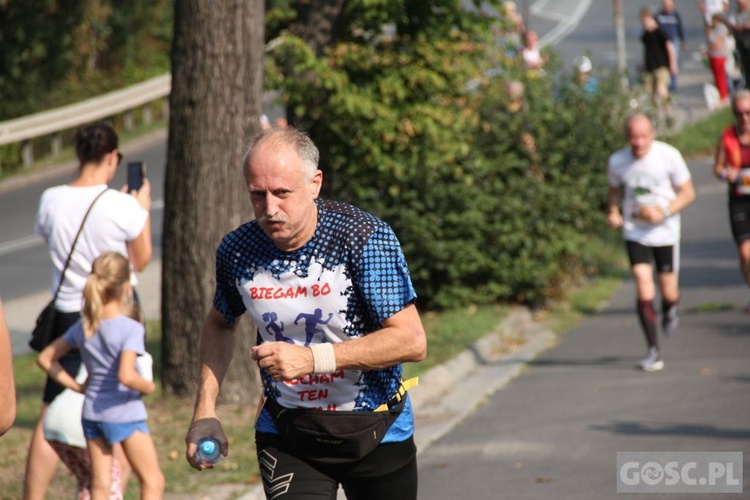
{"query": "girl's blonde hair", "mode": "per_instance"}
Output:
(110, 272)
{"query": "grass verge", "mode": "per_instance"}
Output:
(699, 139)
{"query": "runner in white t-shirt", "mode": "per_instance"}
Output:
(655, 184)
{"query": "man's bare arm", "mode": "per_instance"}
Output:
(614, 217)
(7, 384)
(216, 352)
(401, 339)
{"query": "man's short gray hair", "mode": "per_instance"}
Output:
(739, 95)
(638, 115)
(299, 141)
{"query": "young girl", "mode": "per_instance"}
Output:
(113, 411)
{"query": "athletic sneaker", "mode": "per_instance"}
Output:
(653, 362)
(670, 321)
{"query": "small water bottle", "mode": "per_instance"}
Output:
(209, 450)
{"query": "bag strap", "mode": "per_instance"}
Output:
(70, 255)
(397, 398)
(394, 404)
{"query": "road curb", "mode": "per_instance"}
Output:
(449, 392)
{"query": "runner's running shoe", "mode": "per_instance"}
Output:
(653, 362)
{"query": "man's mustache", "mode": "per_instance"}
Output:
(276, 218)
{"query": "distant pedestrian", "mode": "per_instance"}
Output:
(109, 342)
(739, 24)
(658, 63)
(281, 122)
(533, 59)
(520, 131)
(732, 165)
(583, 76)
(7, 385)
(514, 18)
(670, 22)
(265, 123)
(509, 34)
(711, 7)
(717, 38)
(655, 185)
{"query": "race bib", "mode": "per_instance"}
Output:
(743, 181)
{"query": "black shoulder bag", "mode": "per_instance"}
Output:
(44, 331)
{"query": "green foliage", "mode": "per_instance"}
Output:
(402, 134)
(55, 52)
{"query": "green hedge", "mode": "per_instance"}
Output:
(402, 135)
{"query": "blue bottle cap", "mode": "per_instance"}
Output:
(208, 447)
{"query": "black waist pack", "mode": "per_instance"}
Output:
(333, 437)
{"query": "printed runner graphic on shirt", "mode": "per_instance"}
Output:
(316, 305)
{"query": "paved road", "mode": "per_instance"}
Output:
(555, 430)
(577, 27)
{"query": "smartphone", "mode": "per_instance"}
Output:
(136, 173)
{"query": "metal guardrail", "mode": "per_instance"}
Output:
(52, 121)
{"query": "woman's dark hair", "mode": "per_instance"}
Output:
(94, 141)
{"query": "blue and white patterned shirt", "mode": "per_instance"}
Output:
(341, 285)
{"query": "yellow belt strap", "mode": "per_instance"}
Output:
(402, 388)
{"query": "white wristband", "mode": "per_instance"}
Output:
(324, 359)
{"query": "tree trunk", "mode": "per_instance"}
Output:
(215, 105)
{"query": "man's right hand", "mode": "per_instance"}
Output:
(199, 429)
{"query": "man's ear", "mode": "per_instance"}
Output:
(316, 183)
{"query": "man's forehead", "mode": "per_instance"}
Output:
(639, 129)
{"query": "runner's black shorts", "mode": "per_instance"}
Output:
(739, 218)
(389, 471)
(665, 258)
